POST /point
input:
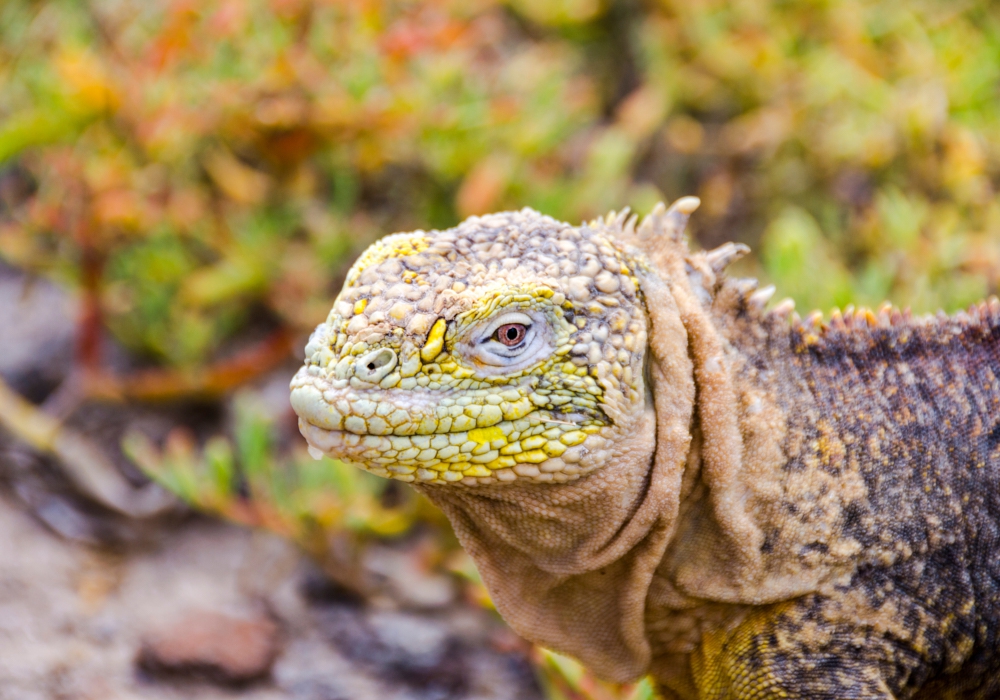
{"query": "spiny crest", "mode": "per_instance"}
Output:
(659, 225)
(889, 316)
(725, 255)
(661, 236)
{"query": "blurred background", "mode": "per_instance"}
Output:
(183, 184)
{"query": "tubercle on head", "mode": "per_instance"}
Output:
(430, 341)
(543, 421)
(395, 246)
(435, 341)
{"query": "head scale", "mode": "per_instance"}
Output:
(508, 348)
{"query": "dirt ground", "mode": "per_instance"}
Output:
(72, 621)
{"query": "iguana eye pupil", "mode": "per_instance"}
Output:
(511, 334)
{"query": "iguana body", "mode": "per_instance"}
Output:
(654, 474)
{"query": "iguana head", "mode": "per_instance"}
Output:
(508, 348)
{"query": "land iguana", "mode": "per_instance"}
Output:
(656, 473)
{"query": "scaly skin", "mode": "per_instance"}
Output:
(663, 477)
(432, 411)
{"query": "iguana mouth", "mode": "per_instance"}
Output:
(415, 438)
(443, 458)
(534, 448)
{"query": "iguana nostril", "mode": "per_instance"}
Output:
(374, 366)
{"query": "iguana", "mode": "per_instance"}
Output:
(655, 473)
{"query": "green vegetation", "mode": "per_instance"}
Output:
(205, 163)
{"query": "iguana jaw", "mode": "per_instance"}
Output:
(536, 446)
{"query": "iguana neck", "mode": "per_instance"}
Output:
(547, 552)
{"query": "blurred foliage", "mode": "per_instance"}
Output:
(218, 159)
(248, 480)
(198, 169)
(200, 166)
(565, 679)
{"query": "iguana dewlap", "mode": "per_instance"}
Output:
(654, 474)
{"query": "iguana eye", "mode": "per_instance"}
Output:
(510, 334)
(510, 341)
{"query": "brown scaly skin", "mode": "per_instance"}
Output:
(742, 503)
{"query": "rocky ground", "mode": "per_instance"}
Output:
(94, 606)
(216, 611)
